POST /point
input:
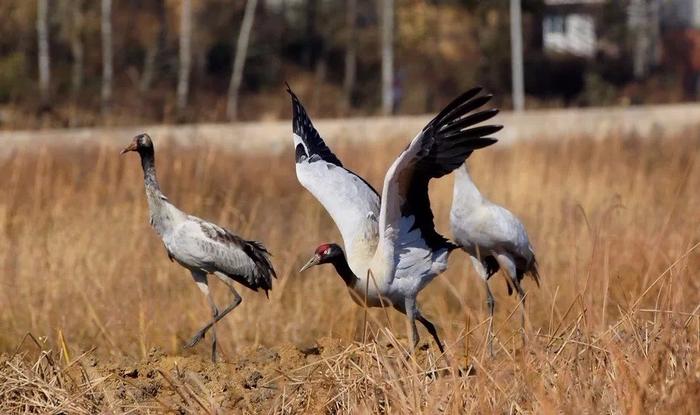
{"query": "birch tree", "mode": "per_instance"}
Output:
(71, 17)
(153, 47)
(240, 58)
(350, 52)
(42, 29)
(644, 22)
(387, 50)
(149, 63)
(107, 68)
(183, 79)
(76, 45)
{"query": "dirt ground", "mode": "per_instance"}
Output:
(257, 380)
(334, 376)
(613, 328)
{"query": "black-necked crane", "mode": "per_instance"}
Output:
(494, 238)
(202, 247)
(392, 250)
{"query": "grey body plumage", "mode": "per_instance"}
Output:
(494, 238)
(202, 247)
(390, 238)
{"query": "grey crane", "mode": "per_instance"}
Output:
(494, 238)
(393, 250)
(202, 247)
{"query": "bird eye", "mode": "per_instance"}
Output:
(327, 251)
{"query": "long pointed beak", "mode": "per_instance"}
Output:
(313, 261)
(130, 147)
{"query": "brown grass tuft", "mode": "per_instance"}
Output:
(615, 327)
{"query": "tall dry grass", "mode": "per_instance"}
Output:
(614, 328)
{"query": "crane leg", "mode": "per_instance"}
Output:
(506, 262)
(200, 334)
(410, 309)
(214, 314)
(200, 278)
(521, 294)
(490, 301)
(431, 329)
(491, 304)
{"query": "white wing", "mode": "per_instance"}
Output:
(350, 200)
(406, 222)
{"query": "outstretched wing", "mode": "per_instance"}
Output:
(348, 198)
(406, 219)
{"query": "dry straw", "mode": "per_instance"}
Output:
(615, 327)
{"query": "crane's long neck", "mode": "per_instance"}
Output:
(465, 193)
(148, 163)
(163, 213)
(343, 269)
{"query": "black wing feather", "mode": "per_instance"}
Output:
(465, 108)
(446, 143)
(304, 128)
(470, 120)
(466, 96)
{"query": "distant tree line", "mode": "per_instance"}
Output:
(83, 62)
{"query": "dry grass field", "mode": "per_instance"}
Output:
(615, 327)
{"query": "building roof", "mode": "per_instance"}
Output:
(572, 2)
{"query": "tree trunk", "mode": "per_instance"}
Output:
(152, 51)
(239, 60)
(107, 69)
(183, 81)
(42, 29)
(350, 53)
(387, 23)
(516, 55)
(644, 22)
(76, 45)
(149, 64)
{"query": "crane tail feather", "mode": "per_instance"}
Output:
(264, 272)
(534, 273)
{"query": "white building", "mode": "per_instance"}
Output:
(572, 34)
(569, 27)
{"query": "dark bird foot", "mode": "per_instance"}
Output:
(194, 340)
